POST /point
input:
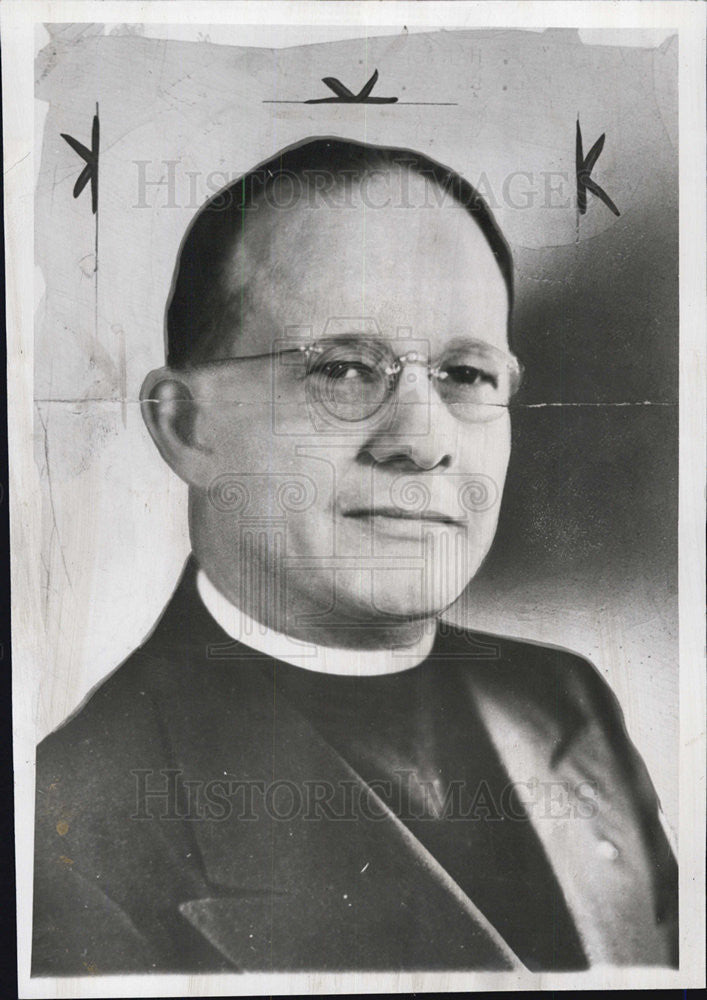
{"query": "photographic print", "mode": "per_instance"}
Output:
(348, 567)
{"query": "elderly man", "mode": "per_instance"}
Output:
(302, 767)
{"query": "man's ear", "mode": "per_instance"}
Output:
(169, 411)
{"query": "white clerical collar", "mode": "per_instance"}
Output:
(310, 656)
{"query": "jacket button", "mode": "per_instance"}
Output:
(607, 850)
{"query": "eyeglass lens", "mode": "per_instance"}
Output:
(353, 379)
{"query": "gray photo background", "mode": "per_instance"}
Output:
(586, 552)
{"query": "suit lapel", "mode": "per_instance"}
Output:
(304, 866)
(307, 866)
(583, 811)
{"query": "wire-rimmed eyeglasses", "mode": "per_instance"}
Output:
(354, 378)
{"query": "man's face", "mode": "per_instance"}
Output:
(351, 515)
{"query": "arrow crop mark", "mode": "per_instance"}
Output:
(346, 96)
(584, 167)
(90, 156)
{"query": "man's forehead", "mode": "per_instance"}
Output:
(372, 213)
(386, 250)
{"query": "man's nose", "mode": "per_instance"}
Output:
(418, 432)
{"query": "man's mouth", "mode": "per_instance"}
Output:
(395, 513)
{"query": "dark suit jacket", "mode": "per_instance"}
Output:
(124, 883)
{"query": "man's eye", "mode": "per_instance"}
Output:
(469, 375)
(345, 370)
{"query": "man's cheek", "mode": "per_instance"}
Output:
(484, 460)
(305, 503)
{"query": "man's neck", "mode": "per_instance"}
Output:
(302, 652)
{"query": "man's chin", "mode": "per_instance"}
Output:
(377, 597)
(406, 594)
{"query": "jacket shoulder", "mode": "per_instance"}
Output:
(562, 692)
(107, 880)
(532, 670)
(118, 712)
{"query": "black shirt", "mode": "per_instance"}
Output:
(418, 738)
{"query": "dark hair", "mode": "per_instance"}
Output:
(200, 301)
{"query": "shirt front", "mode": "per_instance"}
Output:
(415, 737)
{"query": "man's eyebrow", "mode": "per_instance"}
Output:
(457, 343)
(482, 347)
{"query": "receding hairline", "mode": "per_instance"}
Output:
(203, 292)
(271, 224)
(280, 245)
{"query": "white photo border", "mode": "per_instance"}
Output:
(294, 24)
